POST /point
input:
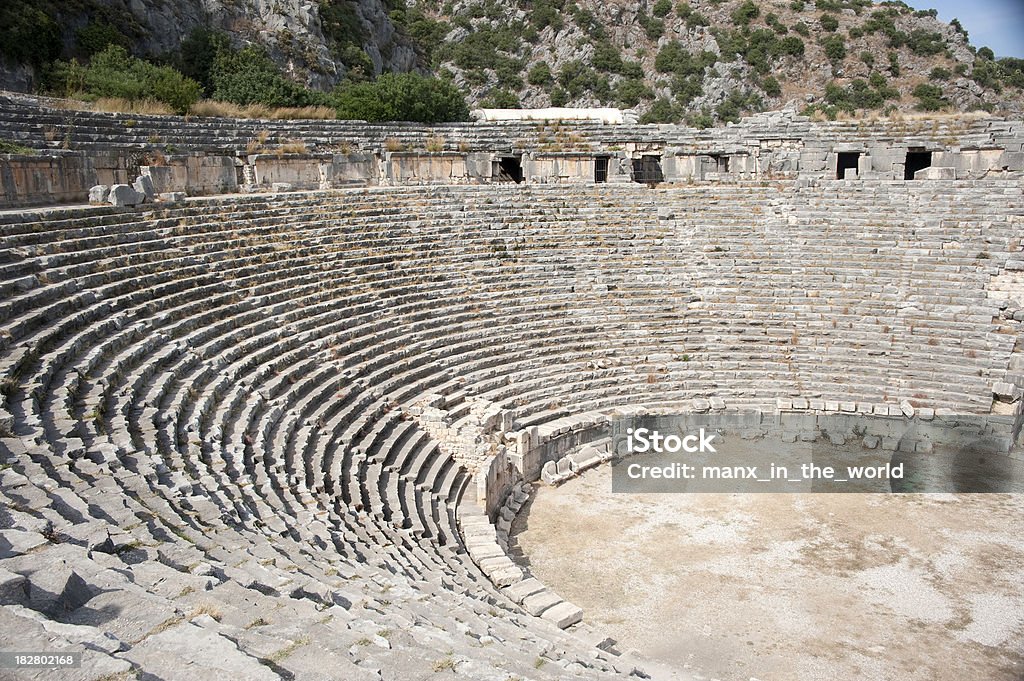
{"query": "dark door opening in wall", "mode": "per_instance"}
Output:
(647, 170)
(846, 160)
(601, 169)
(721, 163)
(509, 169)
(917, 159)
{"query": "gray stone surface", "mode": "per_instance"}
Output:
(99, 193)
(124, 195)
(187, 652)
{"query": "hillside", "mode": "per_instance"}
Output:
(702, 61)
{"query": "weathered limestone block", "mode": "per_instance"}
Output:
(564, 615)
(144, 185)
(99, 193)
(935, 173)
(124, 195)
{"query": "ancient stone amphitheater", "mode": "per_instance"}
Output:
(277, 423)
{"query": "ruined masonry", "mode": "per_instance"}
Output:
(274, 413)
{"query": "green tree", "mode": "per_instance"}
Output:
(248, 76)
(27, 34)
(402, 97)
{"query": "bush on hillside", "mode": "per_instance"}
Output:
(249, 76)
(402, 97)
(115, 73)
(27, 34)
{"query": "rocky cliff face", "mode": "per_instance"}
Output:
(293, 32)
(703, 60)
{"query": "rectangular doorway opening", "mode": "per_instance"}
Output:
(647, 170)
(917, 159)
(508, 169)
(601, 169)
(721, 163)
(846, 160)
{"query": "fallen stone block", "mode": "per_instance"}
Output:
(123, 195)
(144, 185)
(171, 197)
(99, 193)
(282, 187)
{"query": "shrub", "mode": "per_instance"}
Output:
(629, 92)
(587, 22)
(790, 45)
(559, 97)
(702, 120)
(662, 8)
(248, 76)
(986, 53)
(27, 34)
(545, 14)
(606, 57)
(801, 28)
(540, 74)
(427, 33)
(95, 37)
(576, 78)
(771, 87)
(115, 73)
(653, 27)
(745, 13)
(500, 99)
(930, 97)
(925, 43)
(829, 23)
(894, 64)
(402, 97)
(198, 53)
(835, 48)
(939, 73)
(733, 105)
(662, 111)
(776, 25)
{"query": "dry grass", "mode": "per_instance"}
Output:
(435, 143)
(292, 147)
(148, 107)
(209, 107)
(257, 144)
(393, 144)
(206, 609)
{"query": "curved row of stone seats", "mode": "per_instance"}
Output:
(42, 124)
(245, 370)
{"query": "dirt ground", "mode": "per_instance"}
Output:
(780, 587)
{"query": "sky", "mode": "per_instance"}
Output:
(999, 24)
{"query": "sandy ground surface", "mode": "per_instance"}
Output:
(790, 586)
